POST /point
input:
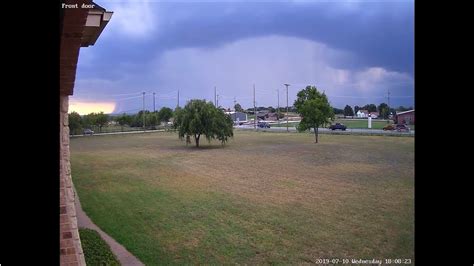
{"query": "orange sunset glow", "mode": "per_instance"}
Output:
(84, 108)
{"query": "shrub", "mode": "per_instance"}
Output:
(96, 250)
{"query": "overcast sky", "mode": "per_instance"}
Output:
(355, 51)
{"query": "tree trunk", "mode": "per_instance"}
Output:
(316, 134)
(196, 138)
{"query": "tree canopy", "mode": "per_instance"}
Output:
(356, 109)
(124, 119)
(75, 123)
(101, 120)
(198, 118)
(370, 107)
(165, 114)
(348, 111)
(95, 119)
(238, 108)
(383, 110)
(314, 109)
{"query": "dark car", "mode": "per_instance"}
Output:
(402, 128)
(263, 125)
(338, 126)
(88, 132)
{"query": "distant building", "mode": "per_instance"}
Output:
(407, 117)
(272, 117)
(362, 114)
(374, 114)
(238, 117)
(262, 115)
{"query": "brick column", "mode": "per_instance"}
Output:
(70, 244)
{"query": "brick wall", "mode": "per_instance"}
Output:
(70, 244)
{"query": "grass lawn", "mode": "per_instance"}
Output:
(358, 123)
(264, 198)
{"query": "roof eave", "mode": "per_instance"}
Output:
(97, 19)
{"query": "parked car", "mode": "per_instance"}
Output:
(88, 132)
(263, 125)
(402, 128)
(338, 126)
(389, 127)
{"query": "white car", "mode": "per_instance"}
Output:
(88, 132)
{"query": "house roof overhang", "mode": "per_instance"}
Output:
(97, 19)
(406, 112)
(80, 27)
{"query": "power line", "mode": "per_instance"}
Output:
(136, 97)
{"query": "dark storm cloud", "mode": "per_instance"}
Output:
(364, 34)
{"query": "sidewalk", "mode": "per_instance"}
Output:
(83, 221)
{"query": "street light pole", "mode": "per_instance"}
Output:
(287, 130)
(143, 111)
(278, 106)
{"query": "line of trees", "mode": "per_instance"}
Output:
(383, 109)
(78, 123)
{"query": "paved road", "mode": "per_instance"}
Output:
(349, 131)
(120, 133)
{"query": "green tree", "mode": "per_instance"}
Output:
(356, 109)
(314, 109)
(370, 107)
(165, 114)
(89, 120)
(152, 119)
(124, 120)
(383, 110)
(138, 119)
(101, 120)
(198, 118)
(402, 109)
(348, 111)
(338, 111)
(238, 108)
(75, 123)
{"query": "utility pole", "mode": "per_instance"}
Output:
(217, 101)
(287, 130)
(154, 102)
(278, 107)
(178, 98)
(388, 100)
(254, 109)
(215, 96)
(143, 111)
